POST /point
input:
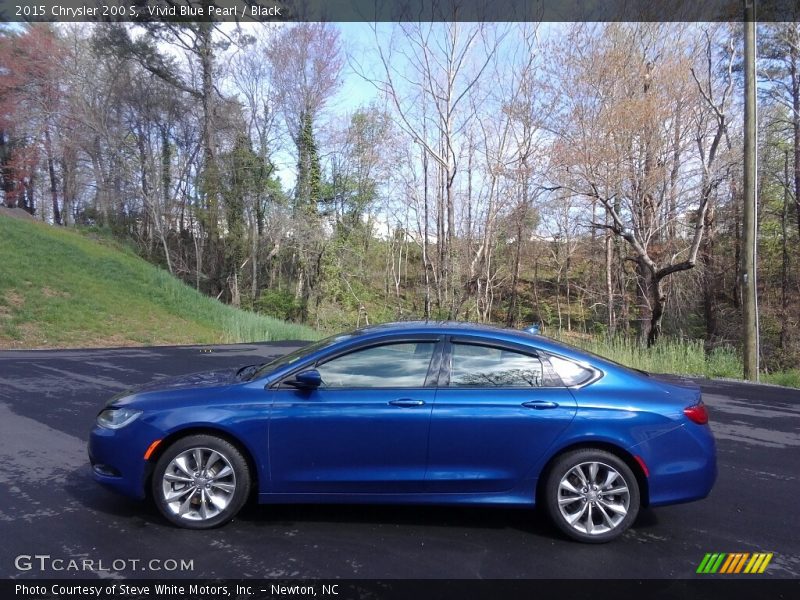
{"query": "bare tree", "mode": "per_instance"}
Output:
(621, 151)
(306, 66)
(443, 63)
(251, 76)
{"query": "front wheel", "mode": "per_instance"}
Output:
(200, 481)
(591, 495)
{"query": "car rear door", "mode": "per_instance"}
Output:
(498, 409)
(365, 430)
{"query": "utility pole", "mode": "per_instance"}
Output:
(749, 281)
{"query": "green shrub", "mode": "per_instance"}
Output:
(785, 378)
(280, 304)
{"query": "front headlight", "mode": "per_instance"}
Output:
(114, 418)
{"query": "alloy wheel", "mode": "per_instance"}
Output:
(198, 484)
(593, 498)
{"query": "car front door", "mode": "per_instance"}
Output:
(497, 412)
(364, 430)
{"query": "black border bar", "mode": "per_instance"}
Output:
(395, 10)
(740, 587)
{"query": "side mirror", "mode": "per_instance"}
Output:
(306, 380)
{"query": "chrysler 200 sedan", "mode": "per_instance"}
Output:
(425, 413)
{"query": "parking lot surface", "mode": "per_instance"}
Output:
(50, 506)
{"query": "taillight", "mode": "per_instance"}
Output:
(697, 413)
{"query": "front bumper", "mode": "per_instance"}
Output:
(117, 458)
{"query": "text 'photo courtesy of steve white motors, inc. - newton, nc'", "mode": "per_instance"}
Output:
(133, 13)
(170, 590)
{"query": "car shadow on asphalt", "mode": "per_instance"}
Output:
(470, 517)
(84, 490)
(524, 520)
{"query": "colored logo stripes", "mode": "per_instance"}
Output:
(734, 562)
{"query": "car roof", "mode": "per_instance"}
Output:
(462, 327)
(431, 325)
(489, 332)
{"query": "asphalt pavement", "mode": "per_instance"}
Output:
(56, 522)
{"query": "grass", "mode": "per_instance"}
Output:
(679, 357)
(784, 378)
(59, 288)
(684, 357)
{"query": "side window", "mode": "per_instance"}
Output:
(571, 373)
(402, 365)
(486, 366)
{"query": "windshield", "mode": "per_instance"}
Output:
(293, 357)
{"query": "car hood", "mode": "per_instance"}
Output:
(192, 381)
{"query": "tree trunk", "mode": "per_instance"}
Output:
(653, 290)
(657, 299)
(254, 232)
(48, 148)
(236, 299)
(536, 289)
(611, 322)
(148, 211)
(652, 300)
(198, 258)
(69, 186)
(784, 334)
(737, 244)
(101, 182)
(566, 281)
(511, 317)
(558, 298)
(709, 277)
(206, 53)
(165, 246)
(622, 282)
(440, 276)
(426, 265)
(793, 57)
(450, 271)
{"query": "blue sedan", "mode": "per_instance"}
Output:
(424, 413)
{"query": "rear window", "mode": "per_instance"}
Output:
(475, 365)
(571, 373)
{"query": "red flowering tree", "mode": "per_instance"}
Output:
(30, 101)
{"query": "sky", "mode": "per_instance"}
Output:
(355, 92)
(359, 47)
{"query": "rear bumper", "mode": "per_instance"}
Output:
(682, 464)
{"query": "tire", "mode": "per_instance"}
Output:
(605, 492)
(200, 482)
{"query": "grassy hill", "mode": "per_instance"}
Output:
(60, 288)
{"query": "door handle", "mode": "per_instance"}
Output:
(406, 402)
(540, 404)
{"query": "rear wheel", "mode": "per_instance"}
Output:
(200, 482)
(591, 495)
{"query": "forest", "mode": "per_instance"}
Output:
(586, 177)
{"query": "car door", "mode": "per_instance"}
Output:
(365, 429)
(498, 409)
